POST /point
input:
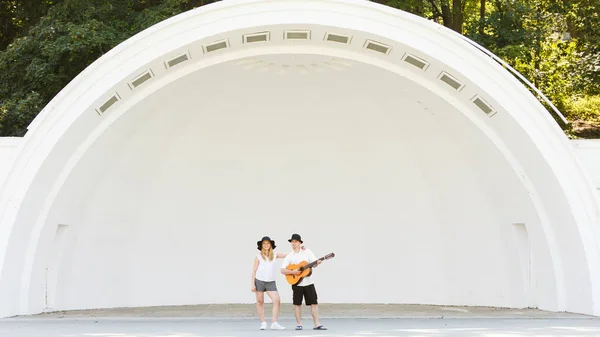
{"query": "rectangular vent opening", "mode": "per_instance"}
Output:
(216, 46)
(451, 81)
(257, 37)
(415, 61)
(338, 38)
(140, 79)
(297, 35)
(110, 102)
(177, 60)
(484, 106)
(378, 47)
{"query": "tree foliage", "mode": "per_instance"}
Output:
(555, 44)
(71, 34)
(44, 44)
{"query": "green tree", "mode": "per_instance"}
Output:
(44, 44)
(72, 35)
(17, 16)
(450, 13)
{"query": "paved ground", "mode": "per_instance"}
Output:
(342, 320)
(232, 311)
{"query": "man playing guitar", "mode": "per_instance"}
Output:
(305, 288)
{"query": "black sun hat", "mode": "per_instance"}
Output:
(266, 238)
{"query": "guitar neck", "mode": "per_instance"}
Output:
(312, 264)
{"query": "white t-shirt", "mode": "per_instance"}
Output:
(295, 258)
(267, 270)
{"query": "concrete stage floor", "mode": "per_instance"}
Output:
(341, 319)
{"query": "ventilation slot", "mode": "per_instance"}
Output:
(337, 38)
(177, 60)
(110, 102)
(141, 79)
(257, 37)
(484, 106)
(378, 47)
(415, 61)
(297, 35)
(451, 81)
(216, 46)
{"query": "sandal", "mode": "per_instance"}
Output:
(298, 327)
(320, 327)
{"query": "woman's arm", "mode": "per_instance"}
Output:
(254, 268)
(282, 255)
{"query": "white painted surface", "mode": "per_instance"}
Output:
(175, 216)
(588, 154)
(9, 148)
(165, 194)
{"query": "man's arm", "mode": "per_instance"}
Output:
(284, 270)
(312, 258)
(290, 272)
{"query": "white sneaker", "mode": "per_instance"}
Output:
(263, 326)
(276, 326)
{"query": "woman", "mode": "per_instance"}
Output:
(263, 280)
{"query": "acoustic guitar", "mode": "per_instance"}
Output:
(305, 269)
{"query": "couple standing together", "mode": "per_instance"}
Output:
(263, 280)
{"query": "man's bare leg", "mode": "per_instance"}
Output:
(315, 314)
(298, 314)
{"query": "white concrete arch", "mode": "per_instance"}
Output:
(106, 204)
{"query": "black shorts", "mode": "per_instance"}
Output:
(308, 292)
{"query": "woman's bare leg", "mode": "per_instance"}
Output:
(260, 305)
(276, 304)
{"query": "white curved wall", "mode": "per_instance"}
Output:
(9, 149)
(588, 153)
(415, 200)
(91, 198)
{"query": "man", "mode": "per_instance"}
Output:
(305, 289)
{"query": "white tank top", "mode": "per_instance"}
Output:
(266, 271)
